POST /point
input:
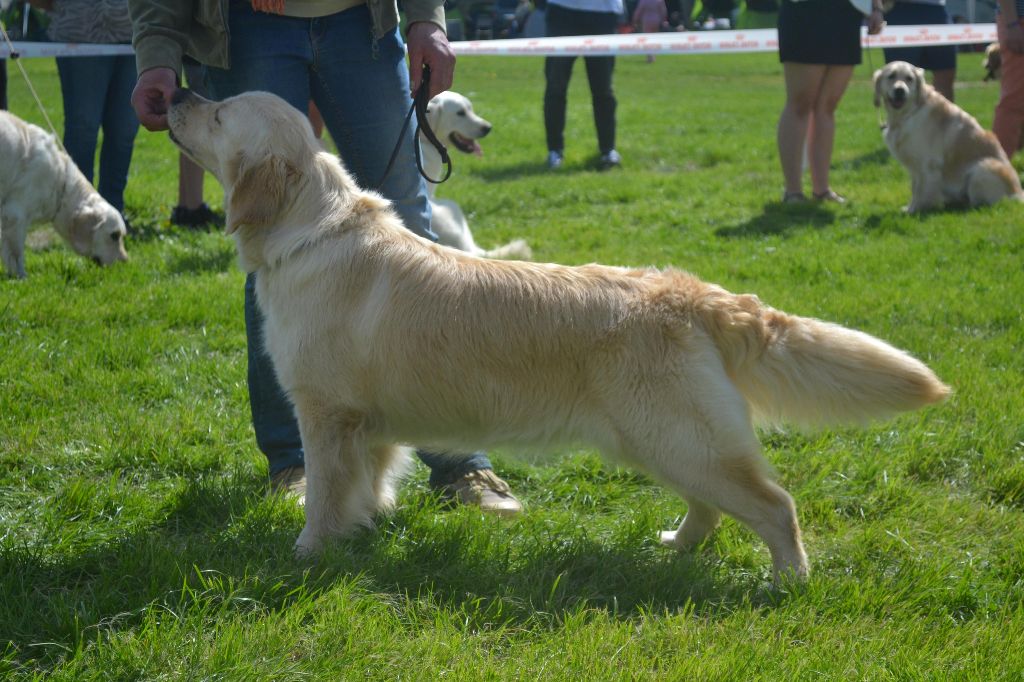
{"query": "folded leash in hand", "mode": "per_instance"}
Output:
(419, 106)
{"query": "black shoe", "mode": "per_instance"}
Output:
(201, 216)
(610, 159)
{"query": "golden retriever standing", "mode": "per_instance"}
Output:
(40, 183)
(380, 337)
(950, 157)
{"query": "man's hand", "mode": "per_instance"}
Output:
(428, 46)
(875, 22)
(152, 95)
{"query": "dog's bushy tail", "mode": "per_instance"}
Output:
(812, 373)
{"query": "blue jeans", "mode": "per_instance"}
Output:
(97, 94)
(361, 87)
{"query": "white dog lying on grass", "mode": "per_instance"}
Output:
(453, 120)
(40, 183)
(380, 337)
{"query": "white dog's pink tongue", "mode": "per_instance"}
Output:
(475, 148)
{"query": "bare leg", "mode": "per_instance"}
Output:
(822, 132)
(943, 82)
(803, 82)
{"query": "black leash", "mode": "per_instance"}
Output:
(419, 106)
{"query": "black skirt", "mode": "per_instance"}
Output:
(819, 32)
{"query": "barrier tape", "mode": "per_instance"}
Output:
(684, 42)
(697, 42)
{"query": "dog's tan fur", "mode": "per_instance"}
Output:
(993, 62)
(950, 157)
(380, 337)
(40, 183)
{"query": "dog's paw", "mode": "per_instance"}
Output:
(308, 544)
(670, 538)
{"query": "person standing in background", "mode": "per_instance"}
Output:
(191, 211)
(1009, 115)
(939, 59)
(97, 90)
(581, 18)
(819, 45)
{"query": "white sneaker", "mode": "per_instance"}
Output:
(554, 160)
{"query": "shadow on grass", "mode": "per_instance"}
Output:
(879, 157)
(530, 169)
(222, 543)
(781, 219)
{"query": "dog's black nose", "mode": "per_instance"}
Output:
(484, 130)
(180, 95)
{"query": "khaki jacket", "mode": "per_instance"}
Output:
(164, 31)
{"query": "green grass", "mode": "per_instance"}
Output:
(136, 541)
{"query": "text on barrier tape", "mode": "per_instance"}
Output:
(684, 42)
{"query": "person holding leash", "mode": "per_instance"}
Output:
(348, 57)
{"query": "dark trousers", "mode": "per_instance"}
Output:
(558, 72)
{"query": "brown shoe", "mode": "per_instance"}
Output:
(290, 482)
(483, 489)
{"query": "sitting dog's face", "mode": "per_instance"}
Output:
(993, 62)
(255, 144)
(452, 118)
(898, 84)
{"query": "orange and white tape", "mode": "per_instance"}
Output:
(687, 42)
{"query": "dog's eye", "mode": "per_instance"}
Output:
(461, 112)
(115, 236)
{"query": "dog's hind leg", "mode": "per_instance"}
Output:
(703, 445)
(340, 476)
(389, 464)
(988, 182)
(698, 523)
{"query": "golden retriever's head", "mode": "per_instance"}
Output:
(256, 145)
(898, 84)
(993, 62)
(452, 118)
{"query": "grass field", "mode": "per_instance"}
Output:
(136, 541)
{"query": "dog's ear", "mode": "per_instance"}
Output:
(877, 80)
(258, 191)
(80, 231)
(433, 112)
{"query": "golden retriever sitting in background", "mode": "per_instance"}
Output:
(40, 183)
(950, 157)
(381, 338)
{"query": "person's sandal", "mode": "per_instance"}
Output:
(829, 195)
(794, 198)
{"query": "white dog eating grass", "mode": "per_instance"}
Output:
(40, 183)
(381, 338)
(451, 117)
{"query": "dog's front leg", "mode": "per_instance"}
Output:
(12, 247)
(340, 476)
(926, 190)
